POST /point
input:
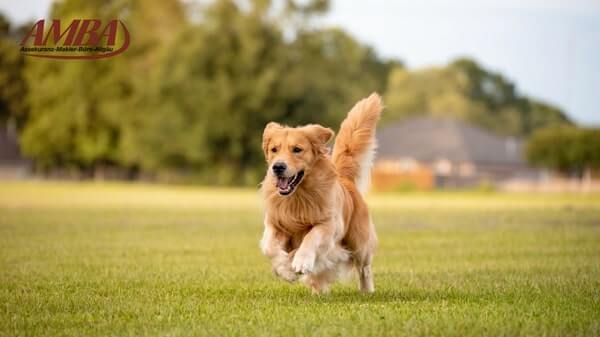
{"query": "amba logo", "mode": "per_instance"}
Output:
(82, 39)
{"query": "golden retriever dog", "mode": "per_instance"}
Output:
(317, 223)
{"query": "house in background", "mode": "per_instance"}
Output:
(428, 153)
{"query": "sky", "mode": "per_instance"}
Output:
(549, 48)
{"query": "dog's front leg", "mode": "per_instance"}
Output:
(272, 245)
(319, 240)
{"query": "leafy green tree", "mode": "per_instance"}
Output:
(569, 150)
(192, 93)
(216, 82)
(465, 90)
(78, 109)
(13, 87)
(224, 78)
(325, 72)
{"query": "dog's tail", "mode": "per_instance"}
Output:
(354, 148)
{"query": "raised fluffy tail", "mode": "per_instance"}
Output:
(355, 144)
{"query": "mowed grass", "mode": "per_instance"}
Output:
(139, 260)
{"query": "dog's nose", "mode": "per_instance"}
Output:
(279, 168)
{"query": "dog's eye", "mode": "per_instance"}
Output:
(274, 150)
(297, 149)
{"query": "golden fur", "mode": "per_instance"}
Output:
(323, 225)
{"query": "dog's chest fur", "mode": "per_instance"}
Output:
(299, 213)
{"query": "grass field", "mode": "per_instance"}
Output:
(138, 260)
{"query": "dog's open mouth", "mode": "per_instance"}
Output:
(287, 185)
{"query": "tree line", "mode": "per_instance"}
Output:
(572, 151)
(190, 96)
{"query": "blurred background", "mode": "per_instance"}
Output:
(479, 94)
(128, 185)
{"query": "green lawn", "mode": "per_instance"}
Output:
(139, 260)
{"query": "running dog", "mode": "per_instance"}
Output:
(317, 223)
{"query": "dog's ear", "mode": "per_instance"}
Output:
(320, 136)
(267, 133)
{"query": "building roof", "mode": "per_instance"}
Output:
(430, 139)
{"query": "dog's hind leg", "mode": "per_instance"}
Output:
(365, 275)
(362, 261)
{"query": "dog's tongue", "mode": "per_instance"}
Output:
(282, 183)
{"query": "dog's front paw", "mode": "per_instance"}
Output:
(282, 268)
(303, 263)
(286, 273)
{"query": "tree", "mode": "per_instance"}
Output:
(79, 109)
(570, 150)
(13, 88)
(465, 90)
(192, 94)
(225, 77)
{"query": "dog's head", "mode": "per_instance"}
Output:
(292, 152)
